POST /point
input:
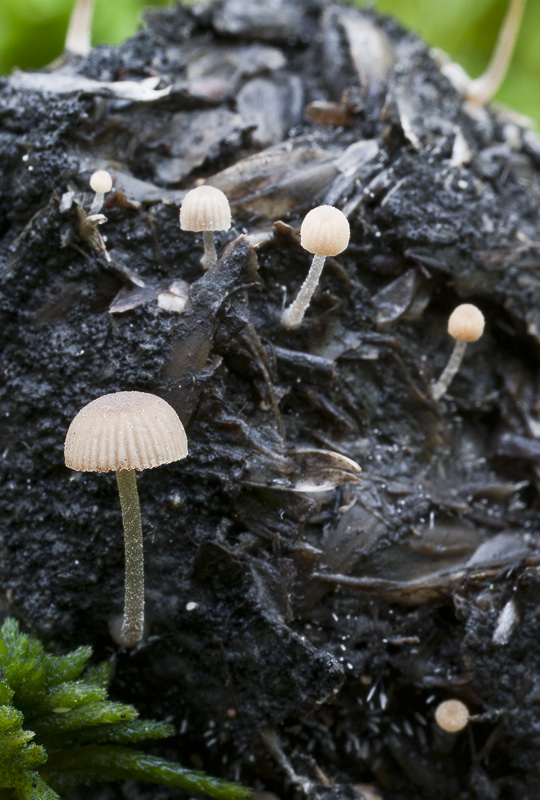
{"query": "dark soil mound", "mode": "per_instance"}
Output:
(300, 639)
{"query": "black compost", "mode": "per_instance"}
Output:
(304, 621)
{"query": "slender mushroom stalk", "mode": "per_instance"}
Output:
(124, 432)
(206, 209)
(133, 624)
(210, 255)
(481, 90)
(78, 37)
(101, 183)
(465, 324)
(325, 232)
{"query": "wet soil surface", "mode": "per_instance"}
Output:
(303, 623)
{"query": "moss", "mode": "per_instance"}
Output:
(58, 729)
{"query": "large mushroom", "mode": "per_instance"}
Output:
(127, 432)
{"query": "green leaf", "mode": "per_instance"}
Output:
(129, 732)
(47, 710)
(109, 762)
(101, 675)
(86, 716)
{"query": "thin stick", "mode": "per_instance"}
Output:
(482, 89)
(133, 624)
(78, 37)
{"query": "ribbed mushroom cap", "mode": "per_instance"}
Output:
(325, 231)
(101, 181)
(205, 209)
(452, 716)
(466, 323)
(125, 430)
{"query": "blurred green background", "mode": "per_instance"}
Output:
(32, 33)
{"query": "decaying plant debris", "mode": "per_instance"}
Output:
(304, 621)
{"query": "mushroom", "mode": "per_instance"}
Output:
(125, 432)
(452, 716)
(481, 90)
(206, 209)
(101, 183)
(465, 324)
(325, 232)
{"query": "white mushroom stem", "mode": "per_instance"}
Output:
(292, 317)
(78, 37)
(210, 256)
(133, 624)
(482, 89)
(440, 387)
(101, 183)
(97, 203)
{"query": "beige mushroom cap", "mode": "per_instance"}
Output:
(205, 209)
(325, 231)
(124, 431)
(452, 716)
(466, 323)
(101, 182)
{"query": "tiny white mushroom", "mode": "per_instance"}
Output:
(101, 183)
(479, 91)
(452, 716)
(325, 232)
(465, 324)
(206, 209)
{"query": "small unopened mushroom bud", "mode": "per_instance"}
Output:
(465, 324)
(206, 209)
(452, 716)
(325, 232)
(101, 183)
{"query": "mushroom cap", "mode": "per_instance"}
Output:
(205, 209)
(452, 716)
(125, 430)
(325, 231)
(101, 182)
(466, 323)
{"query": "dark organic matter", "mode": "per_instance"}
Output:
(299, 639)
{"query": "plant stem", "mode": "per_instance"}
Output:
(293, 315)
(210, 255)
(133, 624)
(440, 387)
